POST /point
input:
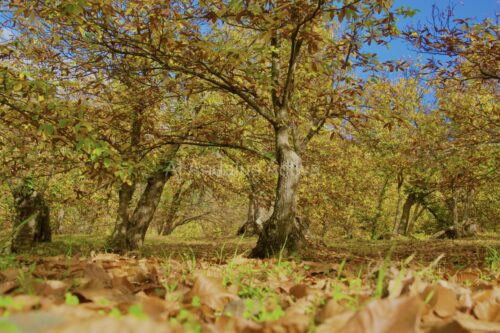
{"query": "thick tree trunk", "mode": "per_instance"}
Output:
(32, 222)
(118, 240)
(405, 215)
(282, 233)
(146, 207)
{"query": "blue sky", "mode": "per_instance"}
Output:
(478, 9)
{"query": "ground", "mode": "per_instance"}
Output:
(199, 285)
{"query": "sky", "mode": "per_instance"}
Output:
(478, 9)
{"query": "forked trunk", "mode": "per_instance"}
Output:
(118, 240)
(281, 233)
(146, 207)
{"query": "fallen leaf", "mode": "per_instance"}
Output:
(443, 300)
(114, 325)
(210, 292)
(386, 316)
(300, 290)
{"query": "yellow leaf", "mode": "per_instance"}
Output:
(18, 86)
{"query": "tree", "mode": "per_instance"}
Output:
(283, 69)
(465, 50)
(32, 223)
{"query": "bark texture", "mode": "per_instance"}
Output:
(283, 233)
(411, 199)
(32, 223)
(118, 240)
(168, 224)
(59, 220)
(130, 229)
(257, 215)
(146, 207)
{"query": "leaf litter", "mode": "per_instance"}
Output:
(111, 293)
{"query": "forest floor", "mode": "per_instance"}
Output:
(200, 285)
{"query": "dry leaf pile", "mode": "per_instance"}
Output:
(111, 293)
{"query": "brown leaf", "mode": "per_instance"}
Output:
(114, 325)
(226, 324)
(54, 288)
(443, 300)
(210, 292)
(386, 316)
(237, 307)
(335, 323)
(331, 309)
(98, 276)
(300, 290)
(9, 274)
(489, 311)
(112, 297)
(157, 308)
(295, 324)
(122, 284)
(7, 286)
(466, 324)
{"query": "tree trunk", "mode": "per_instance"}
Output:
(457, 224)
(379, 211)
(398, 204)
(167, 225)
(143, 214)
(281, 233)
(118, 240)
(251, 228)
(417, 212)
(32, 222)
(405, 215)
(59, 220)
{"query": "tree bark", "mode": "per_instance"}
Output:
(59, 219)
(146, 207)
(167, 226)
(456, 220)
(32, 222)
(417, 212)
(118, 240)
(379, 211)
(405, 215)
(282, 233)
(398, 204)
(251, 227)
